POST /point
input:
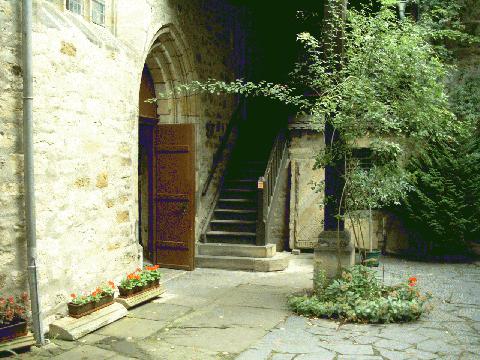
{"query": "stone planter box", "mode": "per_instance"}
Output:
(13, 330)
(77, 311)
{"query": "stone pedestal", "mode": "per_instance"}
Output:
(325, 252)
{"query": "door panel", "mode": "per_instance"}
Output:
(174, 167)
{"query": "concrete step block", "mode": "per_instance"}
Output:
(237, 250)
(141, 298)
(276, 263)
(69, 328)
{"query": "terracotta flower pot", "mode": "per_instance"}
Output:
(12, 330)
(80, 310)
(104, 300)
(125, 292)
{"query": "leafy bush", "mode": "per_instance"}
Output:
(442, 211)
(357, 296)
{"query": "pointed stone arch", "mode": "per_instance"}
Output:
(169, 64)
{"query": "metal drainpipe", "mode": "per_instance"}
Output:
(28, 169)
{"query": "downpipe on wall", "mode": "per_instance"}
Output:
(29, 183)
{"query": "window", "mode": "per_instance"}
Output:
(75, 6)
(364, 157)
(98, 12)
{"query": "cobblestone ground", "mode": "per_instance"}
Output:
(449, 331)
(214, 314)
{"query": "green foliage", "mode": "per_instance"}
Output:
(357, 296)
(443, 22)
(443, 210)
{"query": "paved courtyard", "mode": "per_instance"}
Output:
(215, 314)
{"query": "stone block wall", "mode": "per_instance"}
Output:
(86, 87)
(306, 212)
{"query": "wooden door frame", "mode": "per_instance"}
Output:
(148, 122)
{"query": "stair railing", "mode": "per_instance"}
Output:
(218, 156)
(267, 184)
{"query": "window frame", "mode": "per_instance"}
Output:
(75, 3)
(102, 14)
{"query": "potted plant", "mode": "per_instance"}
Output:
(139, 281)
(151, 276)
(85, 304)
(132, 284)
(13, 321)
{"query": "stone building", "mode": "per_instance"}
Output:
(120, 181)
(91, 60)
(197, 180)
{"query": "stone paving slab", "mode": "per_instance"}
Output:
(222, 315)
(132, 328)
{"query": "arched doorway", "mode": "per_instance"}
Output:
(166, 159)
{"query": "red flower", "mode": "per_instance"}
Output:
(11, 300)
(412, 279)
(73, 296)
(112, 284)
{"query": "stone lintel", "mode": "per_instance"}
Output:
(18, 343)
(140, 298)
(69, 328)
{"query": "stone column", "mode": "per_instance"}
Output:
(326, 252)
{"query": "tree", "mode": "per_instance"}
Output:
(386, 86)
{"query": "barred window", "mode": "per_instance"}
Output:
(98, 12)
(75, 6)
(364, 157)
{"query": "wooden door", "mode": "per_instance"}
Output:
(174, 195)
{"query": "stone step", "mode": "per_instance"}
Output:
(241, 183)
(236, 250)
(230, 237)
(245, 172)
(232, 214)
(238, 193)
(234, 225)
(237, 204)
(277, 262)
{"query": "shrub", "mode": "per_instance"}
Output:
(442, 212)
(357, 296)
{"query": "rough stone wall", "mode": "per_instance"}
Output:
(86, 84)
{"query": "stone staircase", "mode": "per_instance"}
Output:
(230, 240)
(234, 219)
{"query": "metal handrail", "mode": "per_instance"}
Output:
(217, 157)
